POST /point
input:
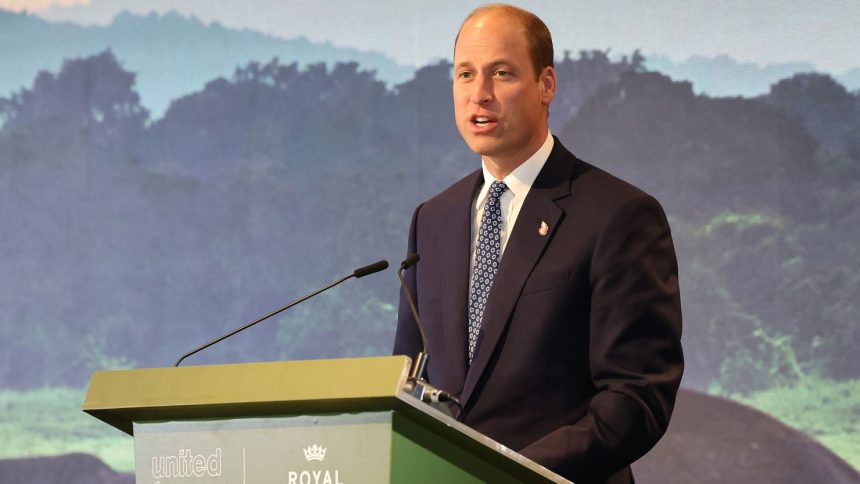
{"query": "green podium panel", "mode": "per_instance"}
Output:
(335, 448)
(305, 422)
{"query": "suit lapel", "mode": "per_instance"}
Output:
(457, 252)
(524, 249)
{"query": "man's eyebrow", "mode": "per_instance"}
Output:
(492, 64)
(500, 62)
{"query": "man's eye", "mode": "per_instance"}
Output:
(464, 75)
(503, 73)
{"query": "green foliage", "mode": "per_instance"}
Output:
(49, 421)
(827, 410)
(763, 302)
(739, 222)
(283, 174)
(688, 149)
(830, 113)
(759, 361)
(150, 238)
(89, 104)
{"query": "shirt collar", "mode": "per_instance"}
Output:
(521, 179)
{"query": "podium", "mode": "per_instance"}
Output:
(342, 421)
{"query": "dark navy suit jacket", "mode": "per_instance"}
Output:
(579, 355)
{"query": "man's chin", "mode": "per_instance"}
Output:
(484, 146)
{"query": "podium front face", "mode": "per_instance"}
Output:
(307, 422)
(303, 449)
(364, 448)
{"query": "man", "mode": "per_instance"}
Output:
(548, 288)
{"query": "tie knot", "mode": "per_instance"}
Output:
(497, 189)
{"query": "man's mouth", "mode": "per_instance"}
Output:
(483, 121)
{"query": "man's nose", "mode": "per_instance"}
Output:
(483, 90)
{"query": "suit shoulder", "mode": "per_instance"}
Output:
(589, 184)
(603, 189)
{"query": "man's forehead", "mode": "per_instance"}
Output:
(489, 33)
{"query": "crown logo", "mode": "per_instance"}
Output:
(314, 452)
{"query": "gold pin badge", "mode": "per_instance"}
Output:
(544, 228)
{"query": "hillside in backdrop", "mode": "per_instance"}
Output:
(126, 240)
(172, 54)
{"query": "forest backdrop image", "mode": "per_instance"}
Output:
(164, 180)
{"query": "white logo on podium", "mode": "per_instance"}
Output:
(314, 452)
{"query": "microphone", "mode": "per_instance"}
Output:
(410, 261)
(360, 272)
(417, 385)
(371, 269)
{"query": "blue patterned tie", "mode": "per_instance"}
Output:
(487, 253)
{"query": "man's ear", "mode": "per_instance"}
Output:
(547, 84)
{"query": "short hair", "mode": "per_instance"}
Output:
(537, 34)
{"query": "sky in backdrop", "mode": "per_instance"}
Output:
(821, 32)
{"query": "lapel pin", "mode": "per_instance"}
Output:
(544, 228)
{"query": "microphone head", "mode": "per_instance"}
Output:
(410, 261)
(371, 269)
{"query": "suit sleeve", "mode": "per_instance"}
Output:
(407, 339)
(635, 355)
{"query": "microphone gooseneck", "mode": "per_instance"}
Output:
(419, 387)
(410, 261)
(360, 272)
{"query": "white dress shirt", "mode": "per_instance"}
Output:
(519, 183)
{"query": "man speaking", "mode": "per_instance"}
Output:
(549, 288)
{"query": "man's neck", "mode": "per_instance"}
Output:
(500, 167)
(500, 170)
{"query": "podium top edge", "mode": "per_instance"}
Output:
(247, 383)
